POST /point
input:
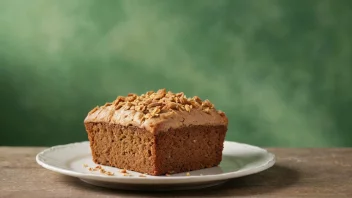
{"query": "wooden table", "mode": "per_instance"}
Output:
(297, 173)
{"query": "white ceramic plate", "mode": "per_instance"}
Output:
(238, 160)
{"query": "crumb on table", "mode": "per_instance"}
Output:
(109, 173)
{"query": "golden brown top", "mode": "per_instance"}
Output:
(158, 111)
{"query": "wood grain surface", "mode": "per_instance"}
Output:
(297, 173)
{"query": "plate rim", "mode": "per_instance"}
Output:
(192, 178)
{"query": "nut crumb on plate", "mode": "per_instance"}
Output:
(101, 170)
(109, 173)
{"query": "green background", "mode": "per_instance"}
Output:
(280, 69)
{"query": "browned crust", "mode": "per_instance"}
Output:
(123, 147)
(189, 148)
(172, 151)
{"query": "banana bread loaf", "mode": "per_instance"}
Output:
(157, 133)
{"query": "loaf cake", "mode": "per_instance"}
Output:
(157, 133)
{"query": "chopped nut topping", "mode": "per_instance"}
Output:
(147, 116)
(93, 110)
(118, 106)
(109, 173)
(148, 101)
(123, 171)
(172, 105)
(161, 93)
(155, 111)
(207, 103)
(129, 104)
(167, 175)
(197, 99)
(156, 104)
(141, 175)
(194, 103)
(206, 110)
(188, 174)
(85, 165)
(221, 113)
(183, 100)
(188, 108)
(107, 104)
(180, 94)
(131, 97)
(141, 108)
(149, 93)
(118, 100)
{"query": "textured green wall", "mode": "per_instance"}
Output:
(280, 69)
